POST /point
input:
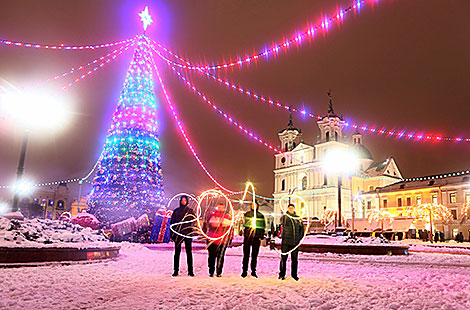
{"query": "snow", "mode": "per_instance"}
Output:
(40, 233)
(141, 279)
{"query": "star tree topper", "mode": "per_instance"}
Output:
(145, 18)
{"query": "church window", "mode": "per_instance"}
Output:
(286, 148)
(283, 160)
(325, 179)
(294, 145)
(283, 185)
(327, 136)
(304, 183)
(336, 136)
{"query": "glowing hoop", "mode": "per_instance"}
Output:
(213, 193)
(184, 222)
(305, 212)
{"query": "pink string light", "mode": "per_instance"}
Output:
(183, 131)
(296, 39)
(228, 118)
(93, 70)
(389, 133)
(116, 52)
(63, 46)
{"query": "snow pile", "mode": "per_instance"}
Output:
(35, 233)
(345, 240)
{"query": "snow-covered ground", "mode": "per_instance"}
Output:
(41, 233)
(140, 279)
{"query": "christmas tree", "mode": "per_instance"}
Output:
(129, 180)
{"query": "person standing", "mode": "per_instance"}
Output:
(181, 229)
(292, 233)
(218, 225)
(253, 233)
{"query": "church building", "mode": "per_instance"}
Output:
(299, 170)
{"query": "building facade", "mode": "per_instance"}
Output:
(47, 202)
(299, 170)
(451, 190)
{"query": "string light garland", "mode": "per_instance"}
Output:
(101, 59)
(383, 131)
(93, 70)
(439, 176)
(63, 46)
(229, 118)
(295, 40)
(183, 131)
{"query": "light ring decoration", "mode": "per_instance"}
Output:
(300, 217)
(184, 222)
(214, 193)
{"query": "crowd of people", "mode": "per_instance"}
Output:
(218, 232)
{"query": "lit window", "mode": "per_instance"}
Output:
(434, 198)
(51, 202)
(453, 197)
(418, 200)
(467, 197)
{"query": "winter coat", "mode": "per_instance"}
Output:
(292, 229)
(218, 223)
(182, 214)
(260, 226)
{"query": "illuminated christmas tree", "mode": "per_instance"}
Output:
(129, 180)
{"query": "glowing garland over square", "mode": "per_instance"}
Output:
(129, 179)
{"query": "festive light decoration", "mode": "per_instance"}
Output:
(431, 211)
(379, 215)
(191, 199)
(91, 71)
(305, 214)
(129, 181)
(103, 60)
(63, 46)
(439, 176)
(295, 40)
(145, 18)
(466, 210)
(215, 195)
(230, 119)
(183, 132)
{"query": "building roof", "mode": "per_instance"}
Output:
(361, 151)
(449, 179)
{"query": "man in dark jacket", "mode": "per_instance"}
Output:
(253, 233)
(292, 233)
(181, 224)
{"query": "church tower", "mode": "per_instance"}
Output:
(290, 137)
(331, 126)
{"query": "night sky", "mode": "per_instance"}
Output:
(401, 64)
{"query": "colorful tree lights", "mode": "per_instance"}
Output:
(129, 181)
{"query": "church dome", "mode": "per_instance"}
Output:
(361, 151)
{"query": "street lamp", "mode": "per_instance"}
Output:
(340, 161)
(34, 112)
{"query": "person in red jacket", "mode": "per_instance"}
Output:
(218, 224)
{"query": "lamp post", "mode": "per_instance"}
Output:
(339, 161)
(33, 112)
(19, 172)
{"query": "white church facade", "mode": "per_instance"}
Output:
(299, 170)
